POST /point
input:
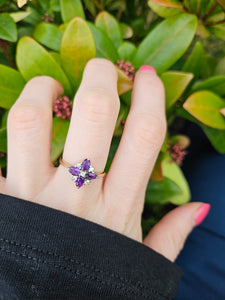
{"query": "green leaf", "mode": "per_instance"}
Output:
(3, 140)
(172, 171)
(126, 31)
(25, 31)
(90, 5)
(215, 84)
(124, 83)
(56, 57)
(202, 31)
(163, 11)
(169, 3)
(11, 85)
(205, 106)
(2, 2)
(209, 65)
(162, 192)
(195, 61)
(112, 152)
(71, 9)
(220, 67)
(124, 110)
(127, 51)
(182, 140)
(175, 84)
(157, 172)
(34, 16)
(218, 16)
(108, 24)
(104, 46)
(8, 30)
(54, 5)
(77, 48)
(4, 118)
(20, 15)
(48, 35)
(158, 49)
(63, 26)
(33, 60)
(218, 31)
(59, 133)
(216, 137)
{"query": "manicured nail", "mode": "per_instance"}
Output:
(202, 213)
(147, 68)
(59, 83)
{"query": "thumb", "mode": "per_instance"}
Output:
(168, 236)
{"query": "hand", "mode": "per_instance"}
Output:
(117, 200)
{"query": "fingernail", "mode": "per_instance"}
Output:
(202, 213)
(147, 68)
(59, 83)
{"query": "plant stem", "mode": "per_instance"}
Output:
(214, 23)
(98, 5)
(5, 47)
(205, 16)
(119, 13)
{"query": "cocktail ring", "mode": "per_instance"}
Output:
(82, 172)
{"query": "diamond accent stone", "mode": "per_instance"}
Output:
(74, 178)
(82, 174)
(78, 165)
(87, 181)
(91, 169)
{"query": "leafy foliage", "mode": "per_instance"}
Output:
(58, 37)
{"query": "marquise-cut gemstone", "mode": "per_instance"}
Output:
(74, 171)
(80, 182)
(85, 164)
(91, 176)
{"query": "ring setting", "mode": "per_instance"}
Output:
(82, 173)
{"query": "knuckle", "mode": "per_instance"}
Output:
(95, 62)
(98, 105)
(149, 133)
(177, 240)
(27, 116)
(41, 79)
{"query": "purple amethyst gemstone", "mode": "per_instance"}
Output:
(74, 171)
(91, 176)
(85, 164)
(79, 182)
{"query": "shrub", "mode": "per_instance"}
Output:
(57, 38)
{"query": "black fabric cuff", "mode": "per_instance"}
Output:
(50, 254)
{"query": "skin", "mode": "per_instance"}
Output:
(116, 201)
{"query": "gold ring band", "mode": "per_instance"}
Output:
(82, 173)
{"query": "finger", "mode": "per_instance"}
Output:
(29, 136)
(169, 235)
(141, 141)
(95, 110)
(2, 182)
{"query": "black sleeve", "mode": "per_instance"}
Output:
(49, 254)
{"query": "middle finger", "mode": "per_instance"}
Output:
(95, 111)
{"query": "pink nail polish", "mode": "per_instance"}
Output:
(147, 68)
(59, 83)
(202, 213)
